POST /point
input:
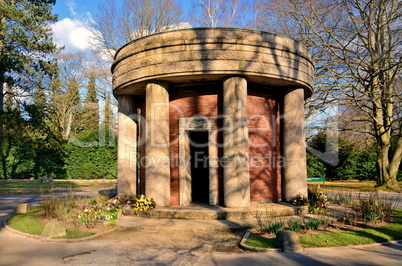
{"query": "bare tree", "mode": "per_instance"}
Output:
(218, 13)
(64, 94)
(115, 25)
(277, 16)
(360, 48)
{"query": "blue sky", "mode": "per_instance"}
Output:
(71, 30)
(75, 9)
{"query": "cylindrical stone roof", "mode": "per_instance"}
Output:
(204, 54)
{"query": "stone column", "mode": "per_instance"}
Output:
(294, 146)
(157, 147)
(127, 146)
(236, 180)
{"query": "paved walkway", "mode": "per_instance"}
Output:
(143, 247)
(388, 254)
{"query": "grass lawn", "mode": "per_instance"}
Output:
(20, 191)
(352, 185)
(261, 242)
(385, 233)
(392, 231)
(28, 223)
(21, 187)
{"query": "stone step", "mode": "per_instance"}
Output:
(205, 212)
(182, 225)
(203, 218)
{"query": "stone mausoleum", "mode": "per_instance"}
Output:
(212, 116)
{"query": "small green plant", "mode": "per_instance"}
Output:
(275, 227)
(264, 217)
(92, 202)
(112, 223)
(294, 225)
(326, 220)
(372, 216)
(350, 218)
(313, 224)
(90, 216)
(260, 220)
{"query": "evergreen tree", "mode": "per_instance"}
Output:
(26, 50)
(91, 96)
(74, 103)
(39, 96)
(108, 117)
(73, 92)
(91, 105)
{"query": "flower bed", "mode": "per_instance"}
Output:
(316, 201)
(138, 203)
(93, 213)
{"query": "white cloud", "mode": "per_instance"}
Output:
(71, 7)
(72, 34)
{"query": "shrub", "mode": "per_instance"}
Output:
(91, 162)
(294, 225)
(52, 206)
(373, 209)
(350, 218)
(313, 224)
(275, 227)
(55, 206)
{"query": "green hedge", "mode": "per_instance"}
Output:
(91, 162)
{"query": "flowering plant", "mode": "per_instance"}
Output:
(90, 215)
(93, 214)
(300, 200)
(143, 203)
(318, 201)
(138, 203)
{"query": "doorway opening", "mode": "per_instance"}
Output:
(199, 160)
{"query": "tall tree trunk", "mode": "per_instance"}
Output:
(388, 164)
(2, 157)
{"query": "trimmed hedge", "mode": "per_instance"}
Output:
(91, 162)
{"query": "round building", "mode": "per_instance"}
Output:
(212, 116)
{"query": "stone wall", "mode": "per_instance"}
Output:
(264, 145)
(212, 54)
(188, 101)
